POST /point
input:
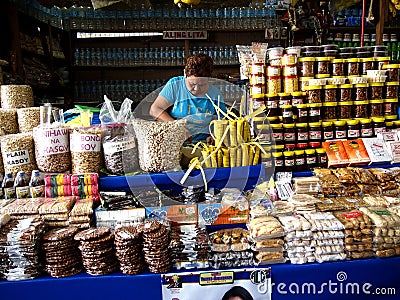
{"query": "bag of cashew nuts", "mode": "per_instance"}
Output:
(8, 121)
(18, 153)
(52, 148)
(119, 143)
(85, 145)
(159, 144)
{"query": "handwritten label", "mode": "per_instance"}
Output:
(113, 147)
(85, 142)
(17, 158)
(53, 141)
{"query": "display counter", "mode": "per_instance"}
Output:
(357, 279)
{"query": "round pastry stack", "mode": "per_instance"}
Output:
(97, 249)
(129, 249)
(61, 252)
(155, 246)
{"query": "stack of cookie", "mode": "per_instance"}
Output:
(155, 246)
(61, 252)
(81, 214)
(129, 250)
(97, 249)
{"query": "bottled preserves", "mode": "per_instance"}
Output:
(376, 90)
(376, 108)
(329, 110)
(21, 185)
(314, 94)
(322, 158)
(345, 92)
(338, 67)
(361, 93)
(306, 66)
(327, 131)
(288, 163)
(366, 128)
(390, 107)
(340, 131)
(392, 89)
(302, 132)
(353, 67)
(353, 129)
(36, 185)
(311, 159)
(8, 186)
(378, 125)
(299, 161)
(314, 112)
(360, 109)
(344, 110)
(330, 93)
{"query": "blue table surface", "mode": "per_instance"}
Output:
(356, 279)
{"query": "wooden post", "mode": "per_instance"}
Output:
(16, 55)
(383, 8)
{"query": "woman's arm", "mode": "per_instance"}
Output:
(158, 109)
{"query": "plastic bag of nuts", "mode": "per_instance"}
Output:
(18, 153)
(85, 145)
(16, 96)
(159, 144)
(52, 148)
(8, 121)
(28, 118)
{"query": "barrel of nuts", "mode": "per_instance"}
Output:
(18, 153)
(28, 118)
(16, 96)
(120, 149)
(8, 121)
(52, 148)
(85, 145)
(159, 144)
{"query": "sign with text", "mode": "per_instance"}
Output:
(185, 35)
(245, 283)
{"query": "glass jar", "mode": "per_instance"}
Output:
(353, 67)
(311, 159)
(284, 99)
(274, 85)
(302, 132)
(302, 113)
(257, 101)
(366, 128)
(255, 79)
(290, 84)
(289, 133)
(303, 83)
(322, 158)
(338, 67)
(390, 107)
(257, 90)
(329, 111)
(367, 63)
(392, 72)
(278, 161)
(361, 93)
(314, 112)
(378, 125)
(287, 114)
(330, 93)
(376, 90)
(272, 108)
(298, 98)
(381, 61)
(288, 161)
(277, 133)
(327, 131)
(353, 129)
(273, 71)
(390, 118)
(344, 110)
(314, 132)
(392, 89)
(360, 109)
(273, 120)
(289, 70)
(306, 66)
(376, 108)
(314, 94)
(299, 161)
(345, 92)
(263, 133)
(266, 160)
(323, 65)
(340, 130)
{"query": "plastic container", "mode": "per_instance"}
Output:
(392, 72)
(392, 89)
(361, 92)
(390, 107)
(345, 92)
(353, 67)
(353, 129)
(275, 53)
(274, 85)
(306, 66)
(290, 84)
(338, 67)
(273, 71)
(366, 130)
(344, 110)
(330, 93)
(314, 94)
(331, 53)
(329, 110)
(289, 59)
(314, 112)
(376, 90)
(323, 65)
(360, 109)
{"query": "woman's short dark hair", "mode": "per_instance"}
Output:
(238, 291)
(199, 65)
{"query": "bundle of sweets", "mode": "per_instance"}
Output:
(81, 214)
(55, 211)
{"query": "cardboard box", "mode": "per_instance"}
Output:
(377, 152)
(356, 152)
(217, 214)
(175, 214)
(337, 156)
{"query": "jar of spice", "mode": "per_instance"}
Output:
(360, 109)
(329, 110)
(302, 132)
(376, 108)
(361, 91)
(288, 163)
(302, 113)
(340, 130)
(353, 129)
(314, 94)
(299, 161)
(338, 67)
(390, 107)
(306, 66)
(379, 125)
(376, 90)
(314, 112)
(353, 67)
(392, 72)
(330, 93)
(344, 110)
(345, 92)
(311, 159)
(392, 89)
(327, 131)
(323, 65)
(366, 128)
(322, 158)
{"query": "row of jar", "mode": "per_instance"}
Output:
(311, 135)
